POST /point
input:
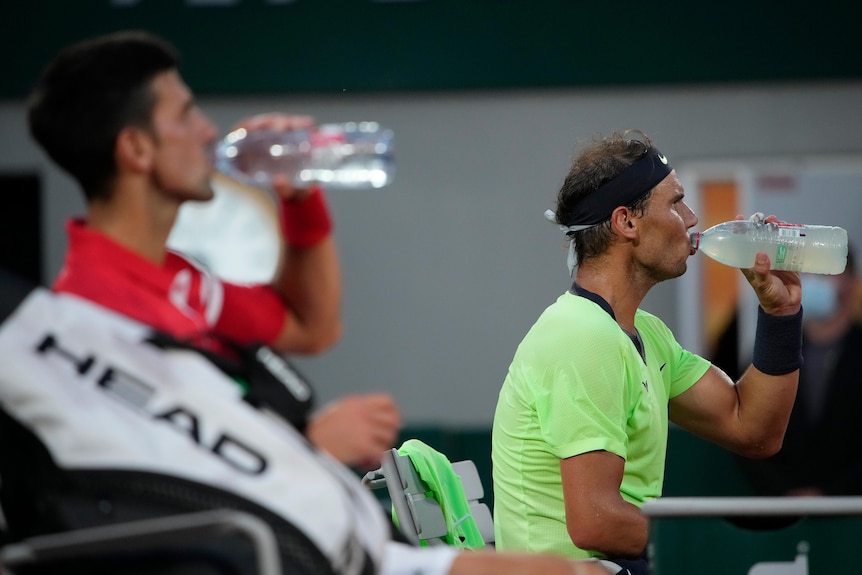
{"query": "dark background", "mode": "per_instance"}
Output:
(321, 46)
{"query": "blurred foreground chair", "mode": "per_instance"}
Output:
(208, 542)
(95, 519)
(211, 542)
(434, 501)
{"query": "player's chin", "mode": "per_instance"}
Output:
(668, 271)
(204, 191)
(678, 270)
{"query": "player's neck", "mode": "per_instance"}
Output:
(136, 221)
(614, 286)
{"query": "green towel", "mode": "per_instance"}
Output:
(445, 486)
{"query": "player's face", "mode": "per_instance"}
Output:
(665, 243)
(182, 164)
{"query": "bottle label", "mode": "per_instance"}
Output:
(781, 255)
(790, 230)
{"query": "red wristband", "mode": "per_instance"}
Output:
(306, 222)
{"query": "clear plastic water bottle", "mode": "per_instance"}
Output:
(352, 155)
(790, 247)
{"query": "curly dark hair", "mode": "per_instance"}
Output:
(600, 162)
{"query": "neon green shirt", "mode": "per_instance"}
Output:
(577, 384)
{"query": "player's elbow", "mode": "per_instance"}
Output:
(585, 536)
(608, 533)
(321, 339)
(308, 340)
(326, 339)
(592, 536)
(763, 451)
(763, 447)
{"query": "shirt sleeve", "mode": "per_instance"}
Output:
(251, 314)
(684, 367)
(401, 559)
(688, 370)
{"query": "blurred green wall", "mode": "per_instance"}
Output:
(330, 46)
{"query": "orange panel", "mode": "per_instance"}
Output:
(720, 282)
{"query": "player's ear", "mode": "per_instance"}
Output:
(133, 150)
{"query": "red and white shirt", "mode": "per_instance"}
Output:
(179, 297)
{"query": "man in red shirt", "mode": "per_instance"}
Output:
(116, 115)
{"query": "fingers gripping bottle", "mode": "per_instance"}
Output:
(790, 247)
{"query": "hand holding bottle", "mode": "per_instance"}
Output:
(779, 292)
(280, 183)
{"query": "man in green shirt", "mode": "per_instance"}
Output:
(580, 430)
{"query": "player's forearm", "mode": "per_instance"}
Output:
(492, 563)
(765, 404)
(767, 389)
(310, 278)
(311, 287)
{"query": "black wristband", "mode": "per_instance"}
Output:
(778, 343)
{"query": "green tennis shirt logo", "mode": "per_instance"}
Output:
(782, 253)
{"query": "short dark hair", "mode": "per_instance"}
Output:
(603, 160)
(88, 93)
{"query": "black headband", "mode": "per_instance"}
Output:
(640, 177)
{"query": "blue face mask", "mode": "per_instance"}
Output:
(819, 297)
